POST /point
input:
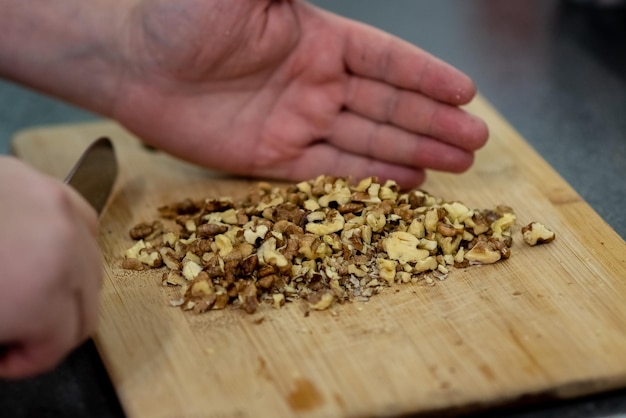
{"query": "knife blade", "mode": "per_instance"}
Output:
(95, 172)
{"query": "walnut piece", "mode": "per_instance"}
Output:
(537, 233)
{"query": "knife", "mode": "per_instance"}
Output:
(94, 174)
(93, 177)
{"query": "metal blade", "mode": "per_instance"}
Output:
(94, 174)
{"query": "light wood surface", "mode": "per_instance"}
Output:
(551, 320)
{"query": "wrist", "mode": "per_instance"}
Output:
(70, 49)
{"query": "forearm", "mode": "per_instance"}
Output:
(71, 49)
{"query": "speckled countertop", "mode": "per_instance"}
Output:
(554, 69)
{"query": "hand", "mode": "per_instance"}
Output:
(51, 270)
(285, 90)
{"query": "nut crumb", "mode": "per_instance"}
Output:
(133, 264)
(258, 318)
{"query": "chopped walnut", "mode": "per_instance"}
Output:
(323, 240)
(483, 252)
(321, 300)
(146, 231)
(133, 264)
(537, 233)
(402, 246)
(278, 300)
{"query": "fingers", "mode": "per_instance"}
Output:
(84, 278)
(69, 321)
(83, 210)
(361, 136)
(374, 54)
(415, 113)
(49, 304)
(401, 106)
(87, 289)
(29, 357)
(58, 315)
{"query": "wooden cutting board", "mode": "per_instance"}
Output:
(550, 321)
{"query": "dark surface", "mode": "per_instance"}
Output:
(555, 70)
(80, 387)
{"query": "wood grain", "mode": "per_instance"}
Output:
(551, 320)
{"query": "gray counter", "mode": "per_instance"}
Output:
(555, 70)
